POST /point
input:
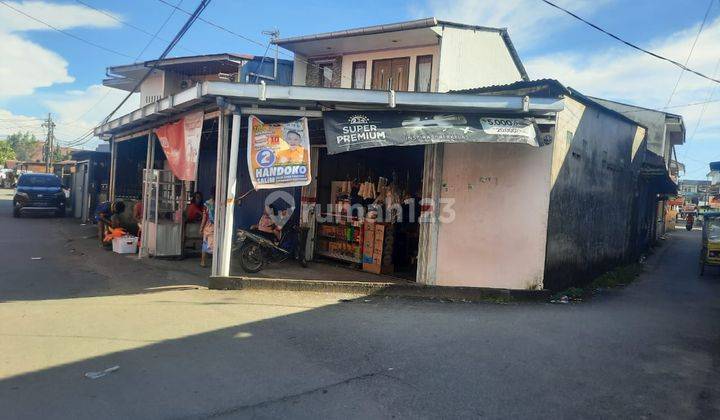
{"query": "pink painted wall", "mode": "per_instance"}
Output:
(498, 236)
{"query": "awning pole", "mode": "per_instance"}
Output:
(220, 194)
(226, 248)
(149, 165)
(113, 170)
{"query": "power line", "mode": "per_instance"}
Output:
(692, 48)
(129, 25)
(64, 32)
(702, 112)
(155, 35)
(191, 20)
(84, 138)
(630, 44)
(248, 39)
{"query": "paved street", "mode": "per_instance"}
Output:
(649, 350)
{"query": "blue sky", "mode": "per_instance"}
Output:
(44, 71)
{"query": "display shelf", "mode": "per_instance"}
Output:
(339, 256)
(333, 238)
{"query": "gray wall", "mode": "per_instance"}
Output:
(654, 121)
(596, 210)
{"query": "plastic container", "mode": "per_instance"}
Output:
(125, 244)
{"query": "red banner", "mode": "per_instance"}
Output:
(181, 143)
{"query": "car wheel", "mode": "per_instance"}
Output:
(16, 212)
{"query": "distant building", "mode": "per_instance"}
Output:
(695, 191)
(714, 174)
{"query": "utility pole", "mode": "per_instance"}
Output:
(48, 149)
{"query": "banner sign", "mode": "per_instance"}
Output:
(278, 155)
(347, 131)
(181, 143)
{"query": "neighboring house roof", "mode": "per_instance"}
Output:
(126, 76)
(185, 60)
(288, 43)
(547, 88)
(669, 117)
(698, 182)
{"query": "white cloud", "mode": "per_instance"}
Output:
(528, 21)
(79, 111)
(62, 16)
(12, 123)
(75, 112)
(27, 66)
(626, 75)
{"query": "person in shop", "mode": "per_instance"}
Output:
(266, 226)
(195, 208)
(108, 218)
(207, 228)
(138, 216)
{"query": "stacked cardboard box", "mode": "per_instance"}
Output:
(377, 253)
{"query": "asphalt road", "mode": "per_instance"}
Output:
(647, 351)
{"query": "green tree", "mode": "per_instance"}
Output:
(24, 144)
(60, 154)
(6, 152)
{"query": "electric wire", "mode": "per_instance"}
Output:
(64, 32)
(248, 39)
(692, 49)
(130, 25)
(191, 20)
(630, 44)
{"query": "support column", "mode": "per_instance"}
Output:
(429, 211)
(221, 171)
(149, 165)
(225, 251)
(113, 170)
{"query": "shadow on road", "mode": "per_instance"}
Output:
(56, 258)
(651, 350)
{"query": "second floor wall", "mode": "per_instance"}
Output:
(454, 58)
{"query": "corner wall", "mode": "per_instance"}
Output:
(595, 216)
(469, 59)
(500, 194)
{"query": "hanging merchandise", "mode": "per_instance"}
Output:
(278, 154)
(181, 143)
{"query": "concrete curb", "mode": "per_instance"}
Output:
(394, 289)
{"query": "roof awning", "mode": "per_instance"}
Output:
(317, 100)
(653, 169)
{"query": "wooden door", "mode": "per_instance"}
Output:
(391, 73)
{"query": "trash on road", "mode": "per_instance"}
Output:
(563, 299)
(36, 258)
(100, 374)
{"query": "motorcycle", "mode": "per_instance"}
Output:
(689, 223)
(256, 250)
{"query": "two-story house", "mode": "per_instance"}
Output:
(425, 55)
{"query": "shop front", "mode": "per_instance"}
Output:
(365, 185)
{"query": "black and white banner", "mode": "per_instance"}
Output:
(347, 131)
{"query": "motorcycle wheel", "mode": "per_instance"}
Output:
(251, 257)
